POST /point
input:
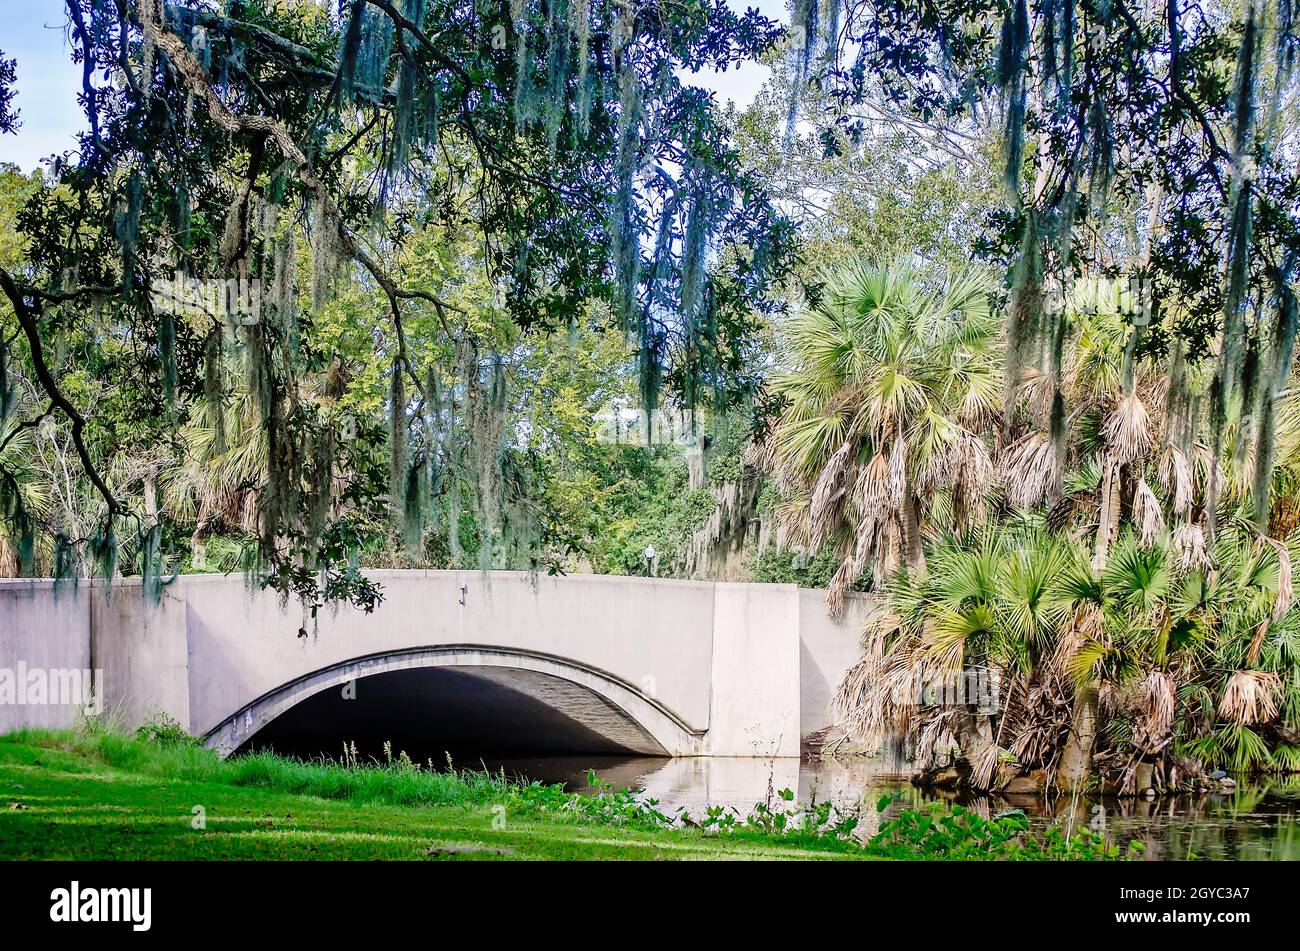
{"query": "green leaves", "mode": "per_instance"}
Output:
(953, 832)
(1135, 577)
(1032, 610)
(950, 631)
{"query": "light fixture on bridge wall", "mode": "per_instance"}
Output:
(464, 590)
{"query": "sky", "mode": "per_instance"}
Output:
(33, 33)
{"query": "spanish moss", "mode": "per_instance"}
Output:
(397, 433)
(66, 565)
(624, 233)
(580, 26)
(803, 50)
(167, 356)
(363, 52)
(1280, 356)
(151, 565)
(102, 550)
(1013, 60)
(1025, 311)
(520, 20)
(557, 66)
(413, 508)
(324, 258)
(214, 391)
(6, 388)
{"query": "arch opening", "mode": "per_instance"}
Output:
(471, 713)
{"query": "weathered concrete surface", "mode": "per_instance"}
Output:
(827, 649)
(41, 632)
(146, 647)
(689, 668)
(755, 696)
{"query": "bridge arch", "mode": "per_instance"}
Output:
(623, 717)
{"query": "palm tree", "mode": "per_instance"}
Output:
(214, 486)
(892, 384)
(23, 495)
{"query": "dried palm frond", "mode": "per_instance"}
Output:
(1109, 698)
(1126, 430)
(889, 551)
(1202, 463)
(1147, 515)
(898, 470)
(936, 740)
(876, 696)
(792, 524)
(1285, 578)
(839, 586)
(877, 493)
(856, 552)
(1156, 705)
(1175, 478)
(829, 493)
(1189, 542)
(789, 479)
(986, 767)
(1037, 720)
(865, 544)
(1257, 642)
(1085, 624)
(1154, 390)
(1285, 583)
(764, 455)
(1250, 697)
(1037, 390)
(852, 705)
(1067, 507)
(969, 475)
(1029, 469)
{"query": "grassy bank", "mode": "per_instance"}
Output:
(103, 795)
(96, 794)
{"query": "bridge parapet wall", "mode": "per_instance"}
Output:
(39, 632)
(731, 663)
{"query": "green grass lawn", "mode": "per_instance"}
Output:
(104, 796)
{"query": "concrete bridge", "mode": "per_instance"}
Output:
(590, 664)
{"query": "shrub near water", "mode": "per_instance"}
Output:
(939, 832)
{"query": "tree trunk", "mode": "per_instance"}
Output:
(1143, 777)
(151, 497)
(199, 549)
(975, 734)
(912, 549)
(1108, 511)
(8, 557)
(1076, 759)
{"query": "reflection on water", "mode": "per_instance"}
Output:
(1254, 822)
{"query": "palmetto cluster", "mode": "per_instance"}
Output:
(1065, 540)
(1181, 667)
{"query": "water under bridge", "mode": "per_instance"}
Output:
(499, 660)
